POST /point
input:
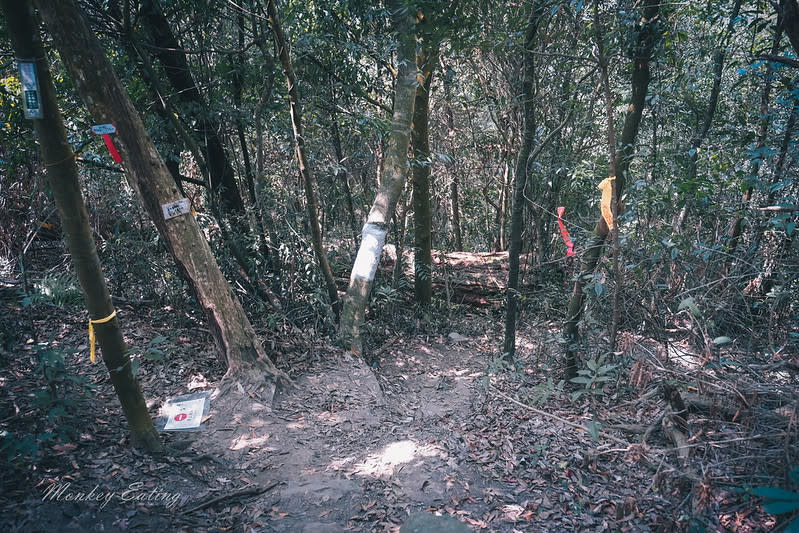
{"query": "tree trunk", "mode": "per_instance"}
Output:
(624, 155)
(336, 137)
(422, 211)
(755, 164)
(302, 160)
(788, 20)
(373, 235)
(703, 128)
(520, 180)
(454, 187)
(108, 102)
(62, 175)
(170, 53)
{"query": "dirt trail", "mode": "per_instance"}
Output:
(357, 449)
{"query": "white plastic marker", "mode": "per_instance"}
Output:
(105, 130)
(176, 208)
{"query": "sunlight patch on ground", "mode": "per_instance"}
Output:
(248, 441)
(684, 357)
(299, 424)
(526, 343)
(392, 455)
(384, 462)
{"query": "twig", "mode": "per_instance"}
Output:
(559, 419)
(626, 444)
(245, 491)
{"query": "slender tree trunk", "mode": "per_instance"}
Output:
(336, 137)
(422, 211)
(736, 228)
(170, 53)
(626, 148)
(520, 180)
(62, 175)
(108, 102)
(311, 202)
(395, 171)
(454, 187)
(703, 128)
(612, 169)
(237, 82)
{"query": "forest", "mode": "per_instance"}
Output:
(399, 266)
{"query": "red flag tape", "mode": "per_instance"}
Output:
(565, 233)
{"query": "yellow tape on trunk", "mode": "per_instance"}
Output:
(607, 198)
(92, 348)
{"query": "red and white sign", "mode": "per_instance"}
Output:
(105, 130)
(184, 415)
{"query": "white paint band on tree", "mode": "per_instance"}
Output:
(373, 237)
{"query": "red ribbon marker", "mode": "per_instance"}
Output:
(105, 130)
(565, 233)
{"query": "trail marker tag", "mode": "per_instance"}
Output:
(184, 415)
(564, 233)
(30, 89)
(105, 130)
(176, 208)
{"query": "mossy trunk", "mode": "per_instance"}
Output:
(236, 342)
(62, 176)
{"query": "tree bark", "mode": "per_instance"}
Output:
(395, 170)
(311, 202)
(703, 128)
(165, 47)
(422, 210)
(755, 164)
(624, 155)
(108, 102)
(520, 180)
(454, 187)
(62, 175)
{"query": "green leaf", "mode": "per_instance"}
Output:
(591, 365)
(593, 429)
(604, 369)
(581, 379)
(781, 507)
(690, 304)
(721, 341)
(773, 493)
(599, 289)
